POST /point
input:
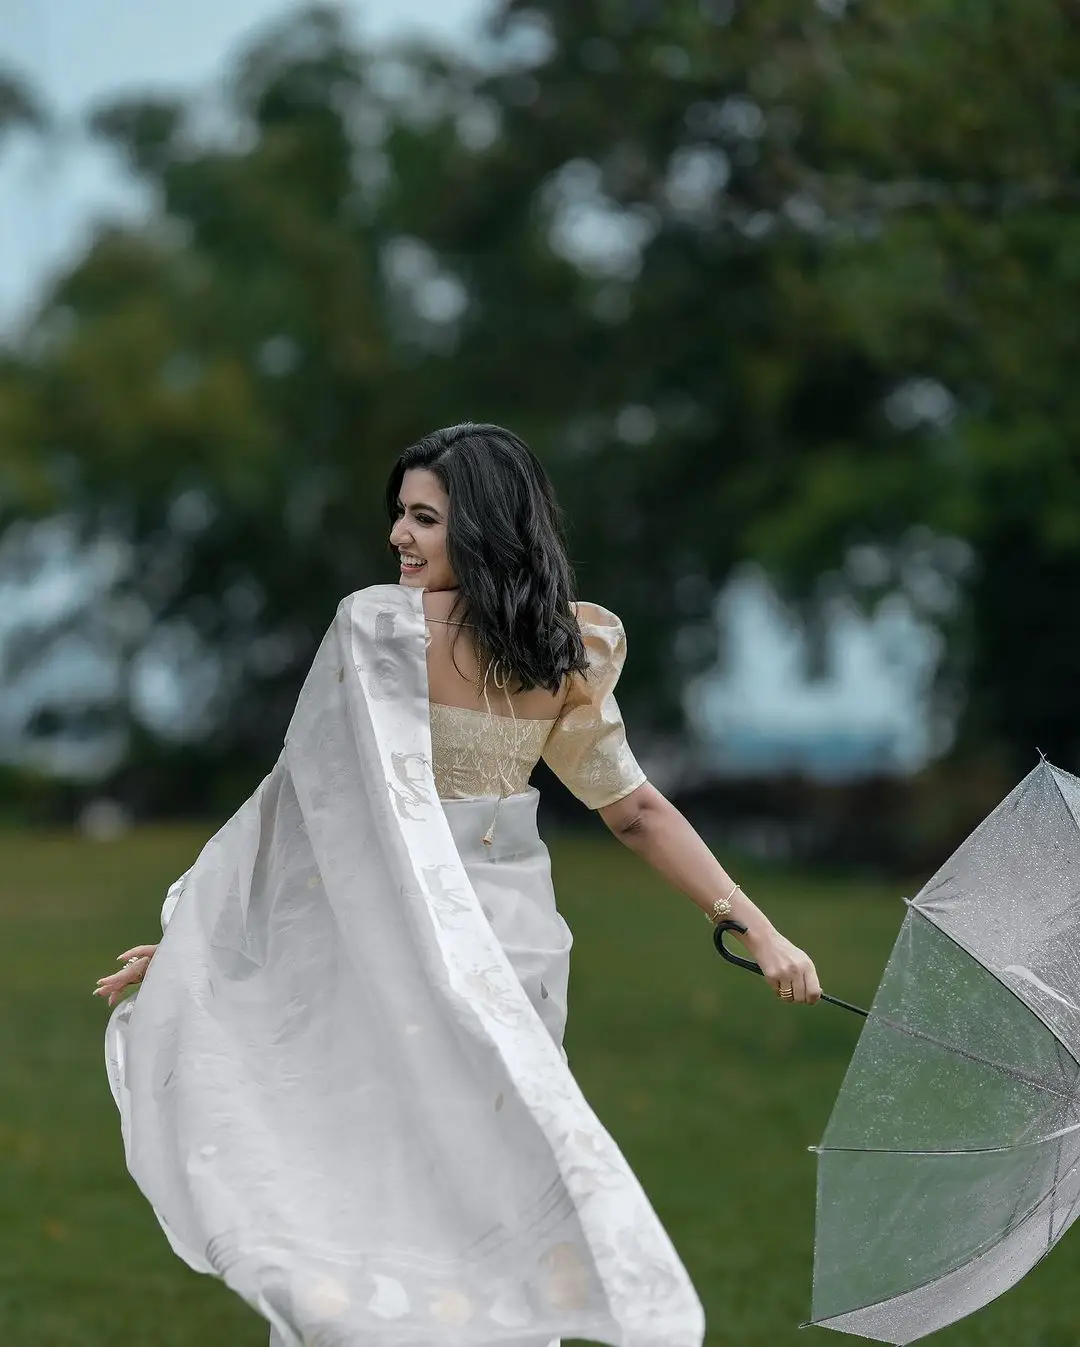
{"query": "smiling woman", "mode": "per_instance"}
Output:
(474, 518)
(419, 534)
(342, 1085)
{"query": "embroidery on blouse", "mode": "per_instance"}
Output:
(474, 754)
(478, 753)
(587, 748)
(489, 759)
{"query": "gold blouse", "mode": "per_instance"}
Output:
(476, 754)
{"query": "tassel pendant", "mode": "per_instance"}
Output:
(488, 838)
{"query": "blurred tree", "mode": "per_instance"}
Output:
(757, 280)
(825, 316)
(632, 239)
(218, 393)
(21, 111)
(952, 185)
(20, 107)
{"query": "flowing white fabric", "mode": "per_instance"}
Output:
(341, 1084)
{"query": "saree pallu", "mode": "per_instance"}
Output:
(341, 1083)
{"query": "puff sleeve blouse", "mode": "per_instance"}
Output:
(587, 748)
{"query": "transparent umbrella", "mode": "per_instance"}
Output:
(949, 1166)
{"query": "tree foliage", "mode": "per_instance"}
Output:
(757, 280)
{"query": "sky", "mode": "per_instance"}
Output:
(76, 52)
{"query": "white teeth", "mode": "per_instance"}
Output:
(407, 560)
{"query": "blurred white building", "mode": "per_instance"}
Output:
(762, 711)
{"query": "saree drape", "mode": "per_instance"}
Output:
(341, 1083)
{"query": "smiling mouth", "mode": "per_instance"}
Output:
(409, 563)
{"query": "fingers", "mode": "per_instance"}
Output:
(786, 966)
(785, 980)
(138, 952)
(786, 986)
(121, 977)
(801, 977)
(805, 981)
(125, 977)
(111, 991)
(108, 989)
(112, 985)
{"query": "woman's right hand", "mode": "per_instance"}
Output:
(113, 985)
(782, 963)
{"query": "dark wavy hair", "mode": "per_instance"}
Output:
(504, 540)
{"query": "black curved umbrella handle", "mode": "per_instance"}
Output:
(751, 967)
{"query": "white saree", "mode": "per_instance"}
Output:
(341, 1083)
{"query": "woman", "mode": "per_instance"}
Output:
(344, 1089)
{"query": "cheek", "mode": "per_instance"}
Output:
(441, 553)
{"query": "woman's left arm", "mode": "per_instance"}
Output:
(651, 826)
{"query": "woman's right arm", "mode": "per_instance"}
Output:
(650, 825)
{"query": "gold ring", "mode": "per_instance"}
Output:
(786, 992)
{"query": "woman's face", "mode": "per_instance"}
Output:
(419, 532)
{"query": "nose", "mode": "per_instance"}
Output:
(399, 534)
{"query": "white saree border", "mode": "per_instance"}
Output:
(649, 1293)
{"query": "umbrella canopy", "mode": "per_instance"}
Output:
(949, 1166)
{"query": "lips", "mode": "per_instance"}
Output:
(410, 563)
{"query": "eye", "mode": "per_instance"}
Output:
(425, 519)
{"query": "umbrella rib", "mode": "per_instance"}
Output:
(1064, 798)
(1050, 1223)
(1009, 1071)
(981, 963)
(963, 1150)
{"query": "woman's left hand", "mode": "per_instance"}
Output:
(783, 964)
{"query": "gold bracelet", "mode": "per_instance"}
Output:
(721, 907)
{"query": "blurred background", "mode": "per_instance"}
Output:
(785, 296)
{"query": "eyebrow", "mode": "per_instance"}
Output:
(418, 505)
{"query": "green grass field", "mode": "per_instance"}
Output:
(712, 1087)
